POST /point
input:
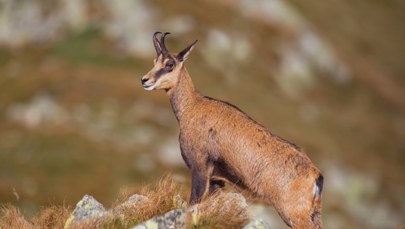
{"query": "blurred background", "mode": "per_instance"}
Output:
(326, 75)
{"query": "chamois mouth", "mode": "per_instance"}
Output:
(148, 86)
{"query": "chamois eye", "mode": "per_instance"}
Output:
(169, 65)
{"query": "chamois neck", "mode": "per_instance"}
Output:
(183, 95)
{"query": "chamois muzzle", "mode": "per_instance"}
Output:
(147, 84)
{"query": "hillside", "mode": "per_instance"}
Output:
(324, 75)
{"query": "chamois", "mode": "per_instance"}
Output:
(220, 143)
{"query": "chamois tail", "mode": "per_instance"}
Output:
(317, 202)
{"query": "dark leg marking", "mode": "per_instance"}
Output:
(198, 182)
(216, 184)
(221, 169)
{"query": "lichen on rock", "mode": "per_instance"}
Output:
(172, 219)
(86, 209)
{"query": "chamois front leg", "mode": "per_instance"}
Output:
(198, 186)
(201, 184)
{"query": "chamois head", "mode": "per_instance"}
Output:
(167, 66)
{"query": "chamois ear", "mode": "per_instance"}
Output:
(182, 56)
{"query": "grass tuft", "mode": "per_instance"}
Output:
(52, 217)
(11, 217)
(159, 199)
(220, 210)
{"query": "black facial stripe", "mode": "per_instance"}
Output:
(169, 65)
(160, 73)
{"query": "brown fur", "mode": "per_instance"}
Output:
(218, 140)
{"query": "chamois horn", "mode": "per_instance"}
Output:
(162, 42)
(157, 44)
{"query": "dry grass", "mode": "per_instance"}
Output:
(11, 217)
(51, 217)
(160, 198)
(220, 210)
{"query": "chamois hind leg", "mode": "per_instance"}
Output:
(296, 215)
(300, 207)
(303, 220)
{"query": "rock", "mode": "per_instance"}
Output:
(136, 198)
(86, 209)
(236, 197)
(266, 214)
(227, 208)
(131, 202)
(172, 219)
(257, 224)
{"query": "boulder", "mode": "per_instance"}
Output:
(86, 209)
(170, 220)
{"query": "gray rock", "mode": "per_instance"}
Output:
(87, 208)
(136, 198)
(130, 203)
(257, 224)
(172, 219)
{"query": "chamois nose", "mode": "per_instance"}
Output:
(143, 80)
